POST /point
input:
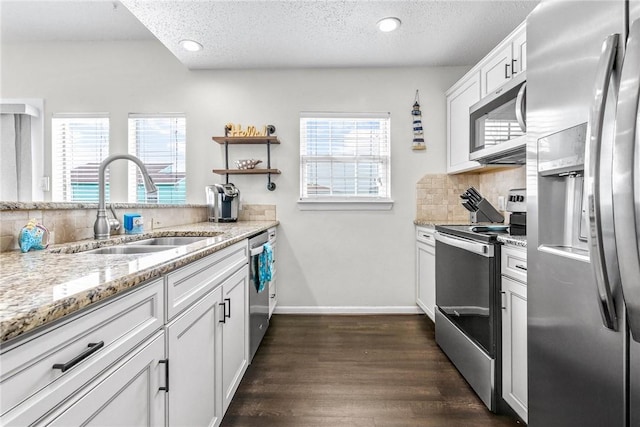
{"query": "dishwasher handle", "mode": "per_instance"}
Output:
(257, 251)
(478, 248)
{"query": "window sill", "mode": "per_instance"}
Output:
(345, 205)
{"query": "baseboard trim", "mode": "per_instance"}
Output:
(347, 310)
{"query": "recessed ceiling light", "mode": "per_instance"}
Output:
(388, 24)
(190, 45)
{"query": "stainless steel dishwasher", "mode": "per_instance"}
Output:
(258, 298)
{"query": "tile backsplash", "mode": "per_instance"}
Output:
(71, 225)
(438, 195)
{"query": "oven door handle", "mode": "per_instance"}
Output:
(468, 245)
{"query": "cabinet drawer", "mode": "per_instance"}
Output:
(514, 263)
(188, 284)
(29, 383)
(426, 235)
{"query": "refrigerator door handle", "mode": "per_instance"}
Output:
(520, 107)
(626, 182)
(592, 182)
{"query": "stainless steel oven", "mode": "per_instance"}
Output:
(467, 301)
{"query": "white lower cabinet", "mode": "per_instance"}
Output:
(129, 394)
(426, 270)
(193, 345)
(169, 353)
(235, 334)
(514, 332)
(51, 368)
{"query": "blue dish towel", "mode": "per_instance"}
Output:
(265, 266)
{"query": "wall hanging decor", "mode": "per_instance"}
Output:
(418, 136)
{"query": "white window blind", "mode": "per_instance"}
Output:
(79, 143)
(159, 140)
(345, 156)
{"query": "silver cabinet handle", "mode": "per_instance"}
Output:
(502, 303)
(467, 245)
(626, 182)
(599, 216)
(521, 107)
(521, 267)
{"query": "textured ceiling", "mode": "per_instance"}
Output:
(82, 20)
(280, 33)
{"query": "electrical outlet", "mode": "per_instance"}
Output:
(501, 203)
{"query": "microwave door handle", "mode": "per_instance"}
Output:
(520, 107)
(600, 219)
(626, 182)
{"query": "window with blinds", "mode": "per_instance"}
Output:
(79, 144)
(159, 140)
(344, 156)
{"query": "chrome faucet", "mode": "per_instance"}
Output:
(103, 226)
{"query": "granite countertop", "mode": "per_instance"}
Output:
(433, 223)
(39, 287)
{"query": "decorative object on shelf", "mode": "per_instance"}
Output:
(232, 129)
(418, 135)
(247, 164)
(33, 235)
(229, 138)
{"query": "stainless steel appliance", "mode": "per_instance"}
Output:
(258, 295)
(498, 125)
(467, 305)
(583, 206)
(517, 206)
(223, 202)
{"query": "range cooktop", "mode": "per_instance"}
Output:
(487, 233)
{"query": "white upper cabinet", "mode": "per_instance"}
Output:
(459, 99)
(507, 60)
(520, 49)
(497, 70)
(504, 62)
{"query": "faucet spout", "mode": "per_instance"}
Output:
(102, 227)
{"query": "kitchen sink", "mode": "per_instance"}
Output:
(173, 241)
(129, 249)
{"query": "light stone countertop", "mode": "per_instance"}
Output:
(433, 223)
(39, 287)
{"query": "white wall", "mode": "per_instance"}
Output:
(326, 259)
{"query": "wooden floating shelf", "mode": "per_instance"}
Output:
(246, 139)
(246, 171)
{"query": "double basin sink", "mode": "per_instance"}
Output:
(154, 244)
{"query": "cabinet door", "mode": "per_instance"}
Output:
(127, 395)
(520, 50)
(192, 342)
(235, 334)
(496, 71)
(514, 345)
(458, 103)
(426, 278)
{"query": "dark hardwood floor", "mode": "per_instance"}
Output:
(354, 371)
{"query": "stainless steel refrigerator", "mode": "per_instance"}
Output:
(583, 188)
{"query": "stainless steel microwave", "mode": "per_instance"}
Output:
(498, 125)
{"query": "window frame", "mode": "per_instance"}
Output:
(347, 202)
(132, 148)
(56, 155)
